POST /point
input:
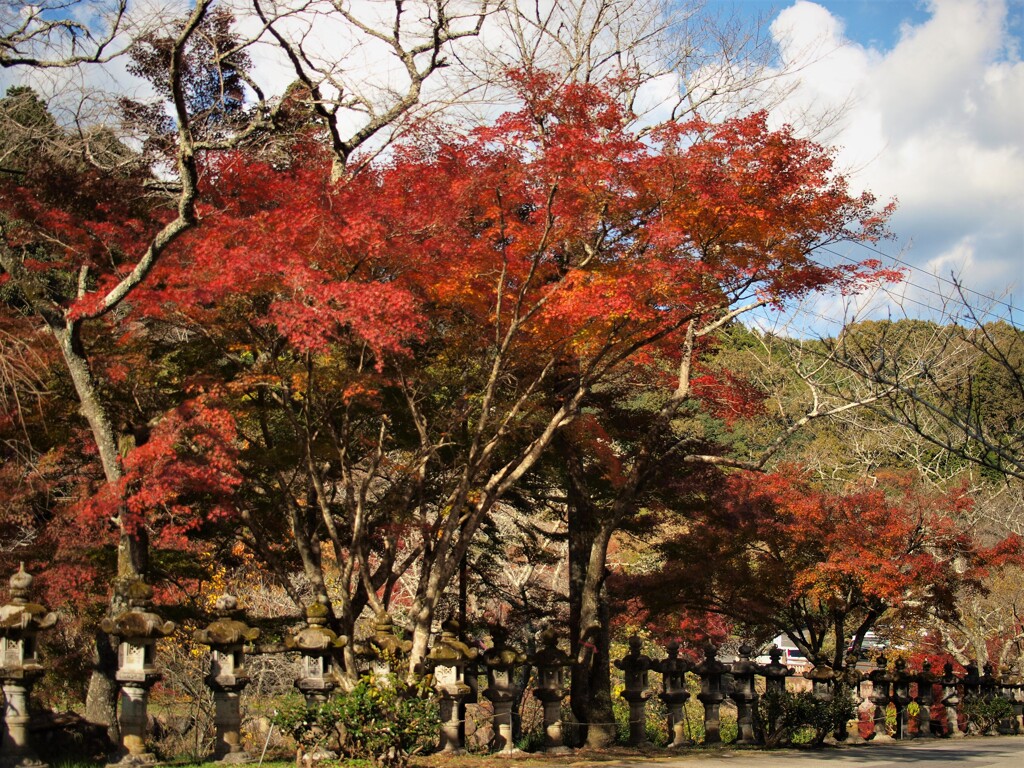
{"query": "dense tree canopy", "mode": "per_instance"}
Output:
(238, 332)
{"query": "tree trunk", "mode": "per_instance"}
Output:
(132, 549)
(589, 636)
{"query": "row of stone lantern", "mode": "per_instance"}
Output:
(736, 681)
(894, 688)
(455, 667)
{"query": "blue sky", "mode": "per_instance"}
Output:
(931, 103)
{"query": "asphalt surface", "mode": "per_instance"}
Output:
(992, 752)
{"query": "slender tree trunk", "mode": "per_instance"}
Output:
(132, 549)
(589, 635)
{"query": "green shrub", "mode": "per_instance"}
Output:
(311, 727)
(786, 718)
(381, 720)
(387, 721)
(985, 713)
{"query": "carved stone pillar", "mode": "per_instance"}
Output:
(551, 663)
(971, 682)
(881, 679)
(775, 673)
(712, 693)
(449, 661)
(318, 649)
(635, 665)
(501, 661)
(137, 629)
(20, 667)
(951, 700)
(744, 693)
(925, 698)
(851, 679)
(383, 653)
(901, 680)
(227, 636)
(673, 683)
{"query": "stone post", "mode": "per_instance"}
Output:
(137, 630)
(501, 661)
(1013, 689)
(551, 663)
(823, 682)
(851, 679)
(1018, 699)
(775, 674)
(950, 700)
(318, 648)
(712, 693)
(745, 695)
(635, 665)
(925, 698)
(227, 636)
(673, 692)
(988, 682)
(972, 690)
(1008, 725)
(448, 661)
(20, 667)
(881, 679)
(901, 680)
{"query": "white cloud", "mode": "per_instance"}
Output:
(935, 122)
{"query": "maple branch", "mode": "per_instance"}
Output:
(35, 28)
(188, 175)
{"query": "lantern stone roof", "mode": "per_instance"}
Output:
(20, 615)
(549, 654)
(449, 648)
(315, 636)
(226, 629)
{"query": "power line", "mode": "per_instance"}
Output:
(943, 298)
(952, 283)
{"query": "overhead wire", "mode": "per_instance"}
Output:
(944, 299)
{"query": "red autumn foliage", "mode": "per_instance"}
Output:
(780, 554)
(179, 480)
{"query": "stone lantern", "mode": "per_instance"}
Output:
(901, 680)
(382, 651)
(925, 698)
(775, 672)
(745, 695)
(227, 636)
(673, 684)
(1014, 683)
(713, 691)
(20, 623)
(137, 629)
(950, 700)
(500, 661)
(823, 681)
(972, 689)
(318, 648)
(450, 661)
(988, 683)
(635, 665)
(880, 682)
(849, 680)
(551, 663)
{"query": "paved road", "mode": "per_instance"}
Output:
(994, 752)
